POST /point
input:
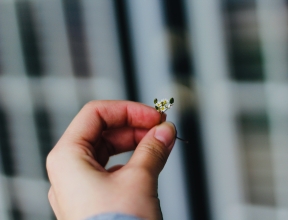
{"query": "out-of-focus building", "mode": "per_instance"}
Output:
(224, 62)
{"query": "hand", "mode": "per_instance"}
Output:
(80, 185)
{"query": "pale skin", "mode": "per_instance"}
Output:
(80, 185)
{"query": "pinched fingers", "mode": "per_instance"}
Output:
(98, 116)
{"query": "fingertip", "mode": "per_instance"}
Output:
(166, 133)
(154, 149)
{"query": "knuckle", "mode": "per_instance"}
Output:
(50, 194)
(90, 104)
(50, 162)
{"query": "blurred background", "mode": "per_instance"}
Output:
(224, 62)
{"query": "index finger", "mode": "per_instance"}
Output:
(97, 116)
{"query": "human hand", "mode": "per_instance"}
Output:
(80, 185)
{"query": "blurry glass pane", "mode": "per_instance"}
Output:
(257, 159)
(243, 40)
(27, 30)
(77, 39)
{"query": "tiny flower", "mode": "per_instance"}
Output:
(163, 105)
(164, 102)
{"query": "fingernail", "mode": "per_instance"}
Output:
(166, 133)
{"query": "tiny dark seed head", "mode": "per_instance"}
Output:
(171, 101)
(155, 101)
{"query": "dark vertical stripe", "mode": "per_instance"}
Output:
(182, 70)
(176, 26)
(5, 146)
(126, 49)
(193, 156)
(44, 135)
(43, 128)
(16, 215)
(30, 45)
(76, 35)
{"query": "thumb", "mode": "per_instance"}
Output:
(153, 150)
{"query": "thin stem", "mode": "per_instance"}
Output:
(185, 141)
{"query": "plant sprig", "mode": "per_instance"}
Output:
(162, 106)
